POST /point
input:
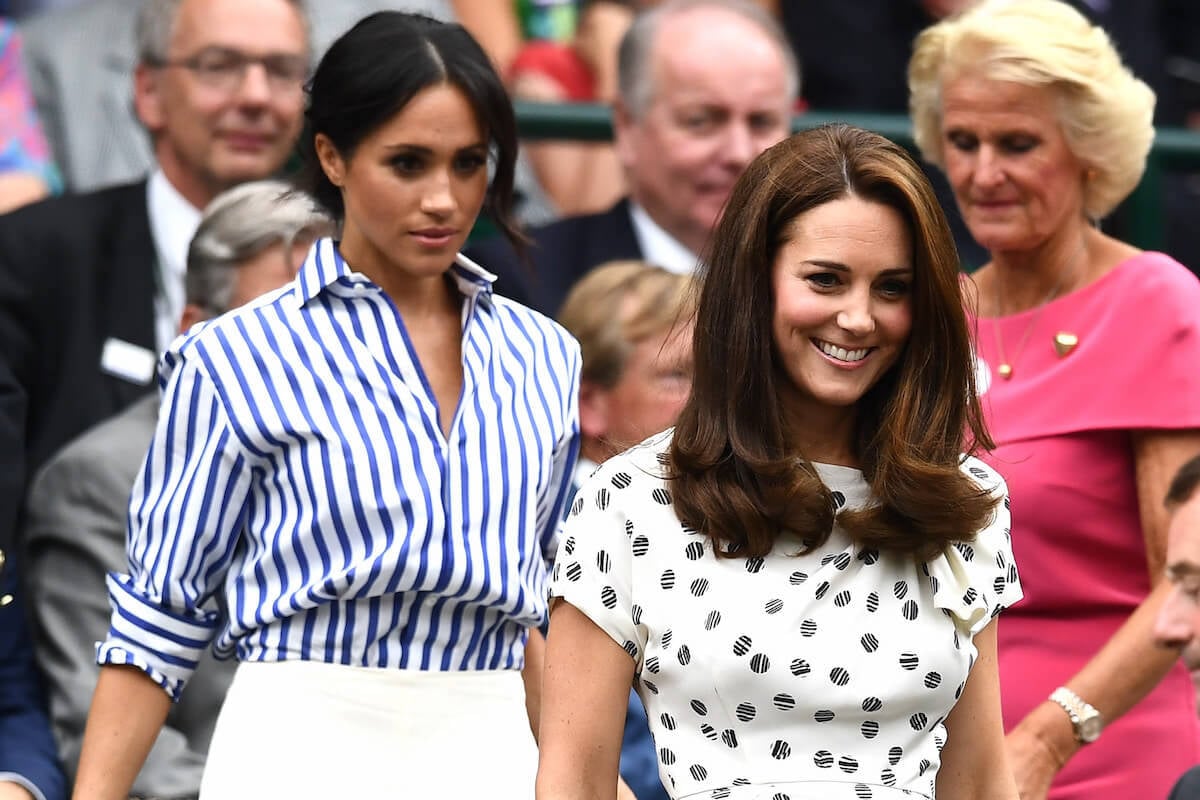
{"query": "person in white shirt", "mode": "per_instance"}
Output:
(704, 86)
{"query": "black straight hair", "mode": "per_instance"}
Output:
(371, 73)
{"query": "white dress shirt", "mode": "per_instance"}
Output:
(173, 222)
(299, 471)
(660, 247)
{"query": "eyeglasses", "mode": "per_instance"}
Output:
(225, 70)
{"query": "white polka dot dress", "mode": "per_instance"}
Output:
(815, 677)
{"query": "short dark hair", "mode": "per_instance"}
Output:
(737, 477)
(373, 70)
(1184, 484)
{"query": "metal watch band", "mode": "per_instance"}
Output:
(1084, 717)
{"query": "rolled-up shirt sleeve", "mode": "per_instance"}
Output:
(185, 516)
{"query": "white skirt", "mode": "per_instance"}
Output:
(303, 729)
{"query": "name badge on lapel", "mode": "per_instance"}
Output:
(129, 362)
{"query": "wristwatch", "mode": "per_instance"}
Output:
(1087, 720)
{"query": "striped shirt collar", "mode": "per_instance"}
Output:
(325, 266)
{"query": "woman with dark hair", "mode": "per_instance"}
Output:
(365, 468)
(801, 578)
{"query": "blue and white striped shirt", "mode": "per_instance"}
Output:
(299, 475)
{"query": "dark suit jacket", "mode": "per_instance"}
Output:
(1188, 787)
(560, 254)
(74, 271)
(26, 746)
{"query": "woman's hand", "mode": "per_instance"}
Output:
(1035, 751)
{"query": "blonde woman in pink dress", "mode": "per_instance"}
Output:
(1089, 364)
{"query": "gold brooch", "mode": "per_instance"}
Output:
(1064, 343)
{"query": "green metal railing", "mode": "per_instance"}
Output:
(1144, 225)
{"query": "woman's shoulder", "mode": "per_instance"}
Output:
(984, 475)
(1153, 271)
(976, 578)
(1149, 294)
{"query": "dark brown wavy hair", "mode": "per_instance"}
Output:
(736, 477)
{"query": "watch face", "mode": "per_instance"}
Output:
(1089, 729)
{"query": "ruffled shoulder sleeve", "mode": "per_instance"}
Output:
(974, 581)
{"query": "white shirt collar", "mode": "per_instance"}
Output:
(660, 247)
(173, 222)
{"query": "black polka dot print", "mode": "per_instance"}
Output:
(840, 664)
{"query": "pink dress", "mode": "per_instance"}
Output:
(1062, 427)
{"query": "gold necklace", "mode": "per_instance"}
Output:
(1005, 369)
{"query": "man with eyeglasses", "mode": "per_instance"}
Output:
(79, 60)
(92, 285)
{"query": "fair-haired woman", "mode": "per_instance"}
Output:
(801, 578)
(1088, 352)
(367, 469)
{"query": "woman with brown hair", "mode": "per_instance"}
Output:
(800, 579)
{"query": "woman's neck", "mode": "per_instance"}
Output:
(1020, 280)
(821, 433)
(413, 296)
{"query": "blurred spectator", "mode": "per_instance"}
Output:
(633, 326)
(251, 240)
(26, 173)
(91, 285)
(28, 765)
(1178, 623)
(687, 124)
(80, 61)
(578, 177)
(631, 322)
(576, 65)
